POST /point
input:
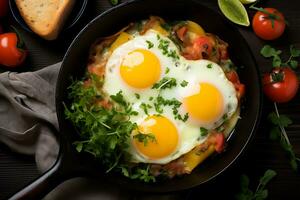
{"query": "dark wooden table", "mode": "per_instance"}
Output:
(17, 170)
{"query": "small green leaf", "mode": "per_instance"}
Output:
(244, 181)
(294, 64)
(124, 171)
(276, 61)
(294, 164)
(285, 121)
(150, 44)
(138, 96)
(184, 83)
(203, 131)
(209, 66)
(294, 52)
(79, 146)
(261, 194)
(272, 117)
(269, 174)
(114, 2)
(267, 51)
(274, 133)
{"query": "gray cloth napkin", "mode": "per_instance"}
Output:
(27, 114)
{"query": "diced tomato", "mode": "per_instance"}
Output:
(220, 141)
(205, 44)
(233, 77)
(240, 88)
(201, 48)
(181, 32)
(96, 70)
(223, 52)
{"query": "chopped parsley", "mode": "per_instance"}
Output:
(167, 70)
(151, 98)
(209, 66)
(203, 131)
(145, 138)
(184, 83)
(145, 108)
(138, 96)
(164, 83)
(174, 103)
(158, 37)
(150, 44)
(164, 47)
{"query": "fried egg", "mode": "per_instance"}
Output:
(202, 92)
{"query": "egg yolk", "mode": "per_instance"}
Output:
(140, 69)
(206, 105)
(166, 137)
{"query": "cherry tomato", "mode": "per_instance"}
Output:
(10, 54)
(281, 85)
(3, 8)
(268, 25)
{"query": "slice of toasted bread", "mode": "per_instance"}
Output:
(45, 17)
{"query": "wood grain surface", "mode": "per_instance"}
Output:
(17, 170)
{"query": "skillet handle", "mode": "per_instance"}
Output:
(44, 184)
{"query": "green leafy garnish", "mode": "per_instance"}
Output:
(104, 133)
(278, 132)
(203, 131)
(145, 108)
(260, 193)
(184, 83)
(150, 44)
(165, 83)
(209, 66)
(269, 52)
(138, 96)
(164, 47)
(145, 138)
(114, 2)
(167, 70)
(174, 103)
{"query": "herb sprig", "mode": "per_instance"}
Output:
(165, 83)
(269, 52)
(260, 193)
(278, 132)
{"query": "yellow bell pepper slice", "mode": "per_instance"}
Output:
(123, 37)
(195, 28)
(159, 29)
(195, 157)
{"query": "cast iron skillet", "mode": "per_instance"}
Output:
(70, 163)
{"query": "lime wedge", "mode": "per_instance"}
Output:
(235, 11)
(247, 1)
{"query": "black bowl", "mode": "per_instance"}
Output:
(77, 12)
(71, 163)
(74, 65)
